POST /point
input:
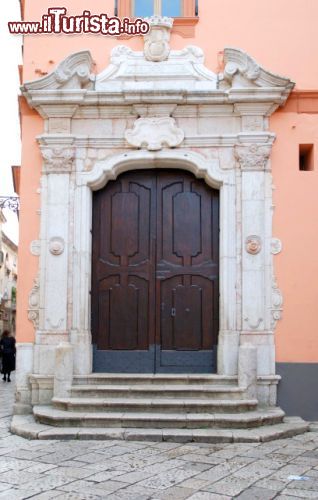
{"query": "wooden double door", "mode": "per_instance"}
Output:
(155, 274)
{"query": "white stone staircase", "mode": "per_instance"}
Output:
(210, 408)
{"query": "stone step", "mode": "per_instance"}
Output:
(61, 418)
(175, 391)
(163, 405)
(27, 427)
(153, 379)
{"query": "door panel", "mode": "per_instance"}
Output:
(187, 267)
(123, 274)
(155, 273)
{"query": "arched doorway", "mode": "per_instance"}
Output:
(155, 274)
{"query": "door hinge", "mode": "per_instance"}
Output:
(173, 312)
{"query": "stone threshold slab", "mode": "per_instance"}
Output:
(26, 426)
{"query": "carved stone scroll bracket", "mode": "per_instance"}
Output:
(276, 246)
(253, 244)
(34, 303)
(157, 39)
(253, 157)
(57, 159)
(277, 303)
(154, 134)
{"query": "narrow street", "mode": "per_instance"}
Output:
(93, 470)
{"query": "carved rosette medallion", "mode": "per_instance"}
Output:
(253, 157)
(56, 245)
(154, 134)
(277, 303)
(157, 40)
(34, 303)
(253, 244)
(58, 159)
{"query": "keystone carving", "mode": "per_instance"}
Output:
(157, 39)
(56, 245)
(58, 159)
(253, 157)
(34, 303)
(253, 244)
(154, 134)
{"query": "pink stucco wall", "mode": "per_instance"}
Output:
(279, 34)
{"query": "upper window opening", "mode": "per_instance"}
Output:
(184, 12)
(147, 8)
(171, 8)
(144, 8)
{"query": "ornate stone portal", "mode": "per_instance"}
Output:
(155, 109)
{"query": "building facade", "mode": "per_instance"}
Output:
(170, 181)
(8, 281)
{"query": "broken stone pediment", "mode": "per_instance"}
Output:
(158, 75)
(74, 72)
(242, 71)
(182, 67)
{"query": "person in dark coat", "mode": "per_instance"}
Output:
(7, 346)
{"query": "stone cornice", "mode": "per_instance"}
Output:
(213, 140)
(44, 101)
(180, 79)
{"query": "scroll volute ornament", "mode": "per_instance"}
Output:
(157, 39)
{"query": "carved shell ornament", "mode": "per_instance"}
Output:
(253, 244)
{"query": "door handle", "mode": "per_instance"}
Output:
(173, 312)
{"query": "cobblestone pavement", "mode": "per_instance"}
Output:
(120, 470)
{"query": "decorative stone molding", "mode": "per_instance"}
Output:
(277, 303)
(35, 247)
(157, 39)
(253, 244)
(74, 72)
(154, 134)
(34, 303)
(56, 245)
(276, 246)
(58, 159)
(253, 156)
(194, 162)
